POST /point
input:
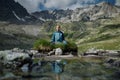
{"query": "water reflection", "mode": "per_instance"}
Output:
(75, 69)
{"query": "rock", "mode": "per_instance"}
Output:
(88, 53)
(111, 53)
(13, 59)
(116, 63)
(25, 68)
(38, 55)
(17, 13)
(9, 55)
(40, 66)
(58, 51)
(13, 56)
(3, 54)
(33, 51)
(100, 52)
(113, 62)
(91, 13)
(110, 61)
(28, 61)
(15, 49)
(36, 67)
(51, 52)
(30, 55)
(118, 51)
(91, 52)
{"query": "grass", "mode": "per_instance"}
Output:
(105, 36)
(43, 45)
(112, 44)
(101, 37)
(111, 27)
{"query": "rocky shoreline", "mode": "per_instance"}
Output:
(32, 60)
(13, 54)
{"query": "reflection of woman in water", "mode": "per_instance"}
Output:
(58, 68)
(58, 36)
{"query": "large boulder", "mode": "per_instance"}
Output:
(15, 59)
(58, 51)
(9, 55)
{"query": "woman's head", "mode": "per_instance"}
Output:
(58, 28)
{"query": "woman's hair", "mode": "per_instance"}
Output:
(58, 26)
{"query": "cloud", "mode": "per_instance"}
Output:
(30, 5)
(63, 4)
(117, 2)
(34, 5)
(59, 4)
(37, 5)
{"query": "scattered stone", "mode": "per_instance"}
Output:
(58, 51)
(15, 58)
(109, 53)
(51, 52)
(100, 52)
(33, 51)
(25, 68)
(15, 49)
(38, 55)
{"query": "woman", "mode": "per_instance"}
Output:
(58, 36)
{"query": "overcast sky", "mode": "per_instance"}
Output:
(37, 5)
(118, 2)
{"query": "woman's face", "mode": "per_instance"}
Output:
(57, 28)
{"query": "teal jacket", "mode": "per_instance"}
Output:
(57, 36)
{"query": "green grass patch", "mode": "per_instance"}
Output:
(113, 26)
(100, 38)
(45, 46)
(113, 44)
(109, 28)
(42, 45)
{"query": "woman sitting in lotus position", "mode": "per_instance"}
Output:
(58, 36)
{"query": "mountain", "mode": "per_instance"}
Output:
(95, 26)
(53, 15)
(92, 12)
(15, 29)
(12, 11)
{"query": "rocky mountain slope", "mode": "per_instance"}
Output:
(101, 10)
(12, 11)
(19, 35)
(14, 29)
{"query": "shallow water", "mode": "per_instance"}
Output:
(74, 69)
